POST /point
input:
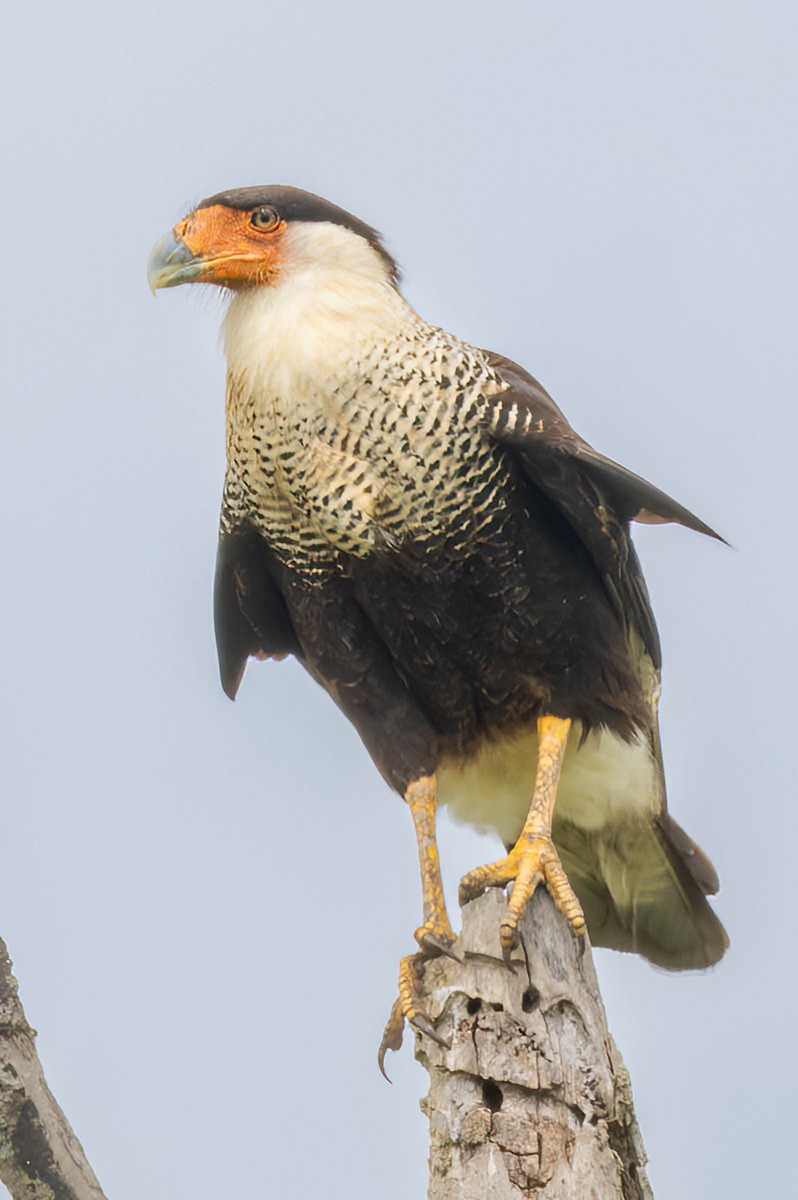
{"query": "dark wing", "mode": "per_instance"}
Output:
(597, 496)
(250, 616)
(642, 885)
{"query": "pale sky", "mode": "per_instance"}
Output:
(604, 192)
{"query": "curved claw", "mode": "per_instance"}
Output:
(434, 944)
(423, 1024)
(408, 1005)
(392, 1036)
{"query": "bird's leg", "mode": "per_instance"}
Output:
(435, 936)
(534, 858)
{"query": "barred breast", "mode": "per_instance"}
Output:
(388, 448)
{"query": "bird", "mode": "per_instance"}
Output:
(415, 521)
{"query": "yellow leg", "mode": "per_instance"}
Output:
(435, 935)
(534, 858)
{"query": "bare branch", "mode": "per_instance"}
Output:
(40, 1157)
(533, 1098)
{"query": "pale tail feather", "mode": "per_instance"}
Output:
(640, 893)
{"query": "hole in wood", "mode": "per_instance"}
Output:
(492, 1095)
(473, 1006)
(530, 999)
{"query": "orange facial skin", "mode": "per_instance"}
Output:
(231, 251)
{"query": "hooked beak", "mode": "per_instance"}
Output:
(172, 263)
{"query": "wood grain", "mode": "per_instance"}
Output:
(532, 1098)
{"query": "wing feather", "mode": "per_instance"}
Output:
(597, 496)
(250, 615)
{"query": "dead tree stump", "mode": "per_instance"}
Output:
(532, 1098)
(40, 1157)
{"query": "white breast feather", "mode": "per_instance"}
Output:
(333, 297)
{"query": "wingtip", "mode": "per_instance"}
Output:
(691, 521)
(231, 680)
(713, 533)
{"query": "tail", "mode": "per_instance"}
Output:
(643, 886)
(643, 883)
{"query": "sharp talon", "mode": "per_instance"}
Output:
(393, 1036)
(443, 946)
(508, 945)
(409, 1004)
(381, 1062)
(456, 955)
(434, 939)
(425, 1026)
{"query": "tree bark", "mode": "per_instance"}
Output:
(532, 1099)
(40, 1157)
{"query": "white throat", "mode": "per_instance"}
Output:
(334, 298)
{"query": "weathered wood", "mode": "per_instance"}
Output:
(532, 1098)
(40, 1157)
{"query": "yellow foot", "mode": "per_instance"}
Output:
(532, 860)
(434, 939)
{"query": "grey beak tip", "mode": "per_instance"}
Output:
(171, 263)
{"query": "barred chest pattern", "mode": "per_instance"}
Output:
(390, 446)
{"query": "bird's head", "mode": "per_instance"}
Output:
(257, 237)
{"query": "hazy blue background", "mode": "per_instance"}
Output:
(604, 191)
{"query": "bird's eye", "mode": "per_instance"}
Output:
(265, 219)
